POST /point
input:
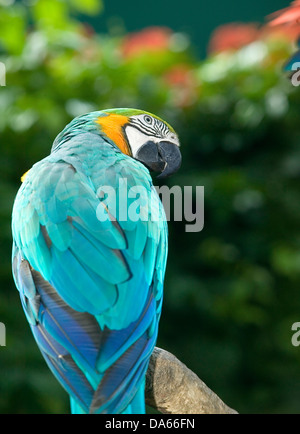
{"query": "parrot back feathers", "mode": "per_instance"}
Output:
(91, 290)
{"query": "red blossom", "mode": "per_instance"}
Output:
(149, 39)
(183, 83)
(290, 33)
(289, 15)
(233, 36)
(178, 75)
(286, 22)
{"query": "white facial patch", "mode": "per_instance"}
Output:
(136, 139)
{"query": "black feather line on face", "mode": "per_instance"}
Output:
(157, 129)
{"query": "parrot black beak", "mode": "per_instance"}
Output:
(164, 157)
(171, 155)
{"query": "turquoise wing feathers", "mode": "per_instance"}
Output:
(91, 287)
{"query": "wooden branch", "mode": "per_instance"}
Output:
(172, 388)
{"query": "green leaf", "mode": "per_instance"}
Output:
(89, 7)
(12, 25)
(51, 14)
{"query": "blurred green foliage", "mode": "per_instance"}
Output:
(232, 290)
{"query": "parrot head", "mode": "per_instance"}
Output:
(144, 137)
(138, 134)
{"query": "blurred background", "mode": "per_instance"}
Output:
(214, 71)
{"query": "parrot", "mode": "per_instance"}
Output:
(90, 279)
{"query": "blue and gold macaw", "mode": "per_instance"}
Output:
(91, 287)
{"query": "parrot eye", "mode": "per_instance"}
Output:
(148, 119)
